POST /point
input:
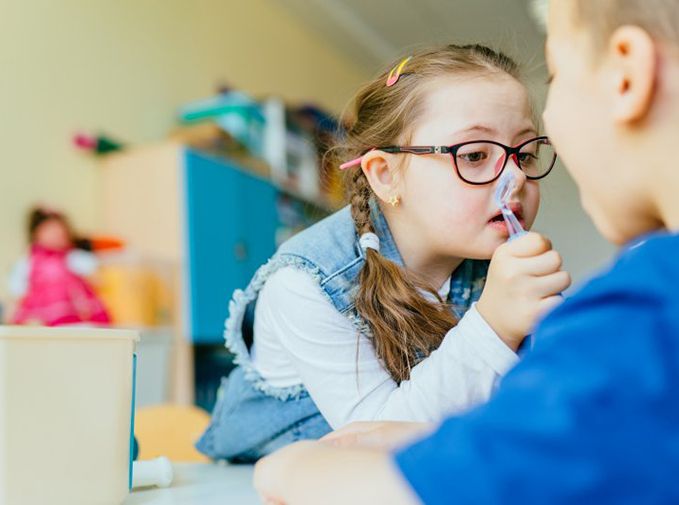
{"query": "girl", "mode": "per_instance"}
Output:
(371, 314)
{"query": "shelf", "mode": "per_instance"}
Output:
(259, 168)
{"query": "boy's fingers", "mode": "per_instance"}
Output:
(342, 440)
(348, 431)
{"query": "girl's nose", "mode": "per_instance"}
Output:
(519, 175)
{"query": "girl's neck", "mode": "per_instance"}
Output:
(434, 273)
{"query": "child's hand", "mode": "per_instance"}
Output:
(377, 434)
(524, 281)
(271, 477)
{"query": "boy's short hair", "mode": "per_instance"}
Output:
(660, 18)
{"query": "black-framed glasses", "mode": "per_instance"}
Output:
(483, 161)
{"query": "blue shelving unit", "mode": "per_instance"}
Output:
(231, 223)
(213, 220)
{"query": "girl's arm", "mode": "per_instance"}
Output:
(313, 473)
(344, 376)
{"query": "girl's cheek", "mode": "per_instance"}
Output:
(468, 208)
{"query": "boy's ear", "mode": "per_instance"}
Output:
(378, 169)
(633, 58)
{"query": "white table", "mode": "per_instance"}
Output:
(201, 484)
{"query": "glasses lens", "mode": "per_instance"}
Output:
(479, 162)
(536, 158)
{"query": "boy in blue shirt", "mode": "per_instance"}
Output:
(592, 414)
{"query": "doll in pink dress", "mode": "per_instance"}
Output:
(51, 279)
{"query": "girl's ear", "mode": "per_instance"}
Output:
(632, 56)
(378, 168)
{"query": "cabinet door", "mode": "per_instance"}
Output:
(231, 221)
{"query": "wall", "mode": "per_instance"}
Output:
(124, 67)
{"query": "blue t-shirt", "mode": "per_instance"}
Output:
(591, 415)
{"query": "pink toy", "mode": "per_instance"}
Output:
(55, 292)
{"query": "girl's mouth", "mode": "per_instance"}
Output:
(498, 222)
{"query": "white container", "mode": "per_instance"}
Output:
(65, 415)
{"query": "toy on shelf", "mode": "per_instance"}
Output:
(235, 113)
(290, 140)
(97, 144)
(138, 292)
(51, 280)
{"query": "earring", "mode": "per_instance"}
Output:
(394, 201)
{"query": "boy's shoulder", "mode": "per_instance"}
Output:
(638, 290)
(649, 263)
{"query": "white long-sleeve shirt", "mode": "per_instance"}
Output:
(301, 338)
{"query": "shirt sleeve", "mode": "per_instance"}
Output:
(345, 378)
(587, 417)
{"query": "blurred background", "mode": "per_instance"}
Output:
(183, 142)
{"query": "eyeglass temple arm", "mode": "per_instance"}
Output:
(400, 149)
(416, 149)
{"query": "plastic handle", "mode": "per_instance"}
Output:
(154, 472)
(513, 225)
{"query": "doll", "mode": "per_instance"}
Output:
(51, 281)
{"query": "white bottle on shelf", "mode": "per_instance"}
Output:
(274, 145)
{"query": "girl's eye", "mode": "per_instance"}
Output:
(473, 157)
(527, 157)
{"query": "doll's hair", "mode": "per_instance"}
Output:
(41, 214)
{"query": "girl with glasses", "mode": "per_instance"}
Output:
(390, 308)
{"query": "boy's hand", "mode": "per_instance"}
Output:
(272, 473)
(377, 434)
(524, 282)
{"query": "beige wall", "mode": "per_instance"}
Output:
(124, 66)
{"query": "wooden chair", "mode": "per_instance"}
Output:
(170, 431)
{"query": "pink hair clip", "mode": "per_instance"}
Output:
(395, 73)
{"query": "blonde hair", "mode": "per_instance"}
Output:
(660, 18)
(405, 325)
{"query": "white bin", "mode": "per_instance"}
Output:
(65, 412)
